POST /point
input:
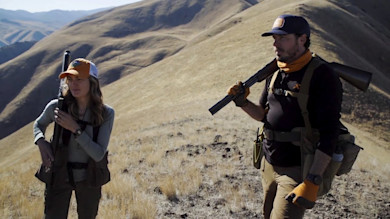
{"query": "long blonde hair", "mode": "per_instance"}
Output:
(96, 105)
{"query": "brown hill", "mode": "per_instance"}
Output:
(126, 39)
(121, 41)
(9, 52)
(163, 134)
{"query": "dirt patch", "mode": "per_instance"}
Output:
(231, 186)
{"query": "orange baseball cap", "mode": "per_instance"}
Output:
(82, 68)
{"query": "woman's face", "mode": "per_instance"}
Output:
(78, 87)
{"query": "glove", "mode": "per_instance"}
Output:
(240, 94)
(304, 195)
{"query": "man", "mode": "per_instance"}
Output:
(285, 195)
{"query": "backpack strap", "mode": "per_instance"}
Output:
(272, 82)
(303, 95)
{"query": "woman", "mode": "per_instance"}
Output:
(87, 125)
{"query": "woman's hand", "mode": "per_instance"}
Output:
(46, 153)
(65, 120)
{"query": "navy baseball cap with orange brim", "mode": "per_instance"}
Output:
(287, 24)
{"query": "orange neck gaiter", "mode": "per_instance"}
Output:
(297, 64)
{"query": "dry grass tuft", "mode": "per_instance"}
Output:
(168, 188)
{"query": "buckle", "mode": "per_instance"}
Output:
(268, 134)
(280, 92)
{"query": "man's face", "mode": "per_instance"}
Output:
(288, 47)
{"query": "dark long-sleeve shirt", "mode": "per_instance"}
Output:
(324, 106)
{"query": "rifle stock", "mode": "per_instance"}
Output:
(356, 77)
(58, 128)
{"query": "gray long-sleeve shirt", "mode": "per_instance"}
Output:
(82, 147)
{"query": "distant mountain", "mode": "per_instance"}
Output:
(11, 51)
(19, 26)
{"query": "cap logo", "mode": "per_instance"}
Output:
(279, 22)
(76, 63)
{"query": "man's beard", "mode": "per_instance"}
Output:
(291, 54)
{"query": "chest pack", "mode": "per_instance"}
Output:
(307, 137)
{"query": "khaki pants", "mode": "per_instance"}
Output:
(57, 201)
(277, 182)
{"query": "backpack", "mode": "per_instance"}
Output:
(306, 137)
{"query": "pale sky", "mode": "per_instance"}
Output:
(48, 5)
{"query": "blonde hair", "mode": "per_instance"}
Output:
(96, 105)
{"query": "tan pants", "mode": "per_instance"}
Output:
(277, 183)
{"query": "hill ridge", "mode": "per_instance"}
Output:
(89, 42)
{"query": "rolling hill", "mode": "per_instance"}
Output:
(126, 39)
(164, 63)
(21, 26)
(121, 40)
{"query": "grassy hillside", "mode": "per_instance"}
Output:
(169, 157)
(121, 41)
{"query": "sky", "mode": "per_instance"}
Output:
(48, 5)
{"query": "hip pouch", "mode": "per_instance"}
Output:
(341, 162)
(258, 148)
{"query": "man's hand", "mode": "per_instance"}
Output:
(304, 195)
(240, 94)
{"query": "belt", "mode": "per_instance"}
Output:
(282, 136)
(77, 165)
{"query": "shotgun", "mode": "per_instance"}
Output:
(356, 77)
(58, 128)
(45, 174)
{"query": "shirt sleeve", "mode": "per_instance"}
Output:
(46, 117)
(96, 150)
(327, 91)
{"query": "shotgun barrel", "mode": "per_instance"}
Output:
(260, 75)
(58, 128)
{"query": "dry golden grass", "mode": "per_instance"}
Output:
(177, 168)
(165, 158)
